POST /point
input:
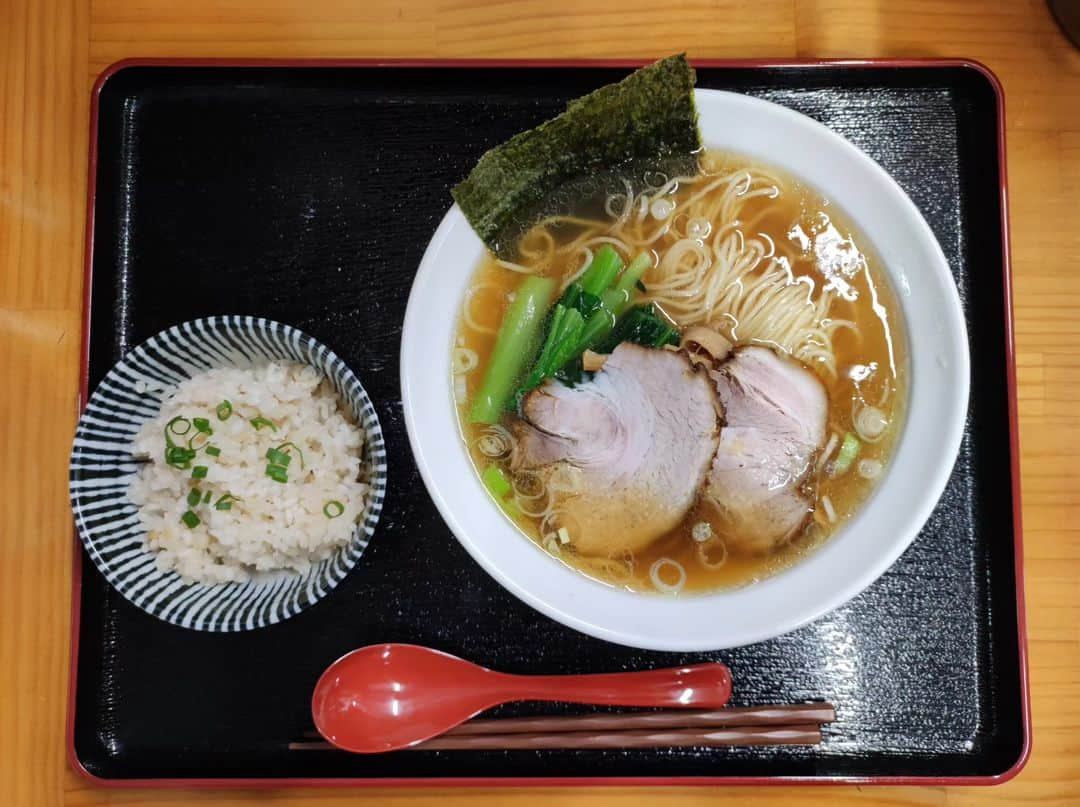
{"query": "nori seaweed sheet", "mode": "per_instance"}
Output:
(648, 118)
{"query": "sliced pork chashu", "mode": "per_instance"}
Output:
(776, 413)
(642, 433)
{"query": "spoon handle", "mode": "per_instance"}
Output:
(699, 685)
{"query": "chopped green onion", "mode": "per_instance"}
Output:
(199, 472)
(202, 425)
(203, 436)
(278, 473)
(224, 410)
(259, 421)
(194, 497)
(225, 502)
(278, 457)
(178, 456)
(190, 519)
(206, 498)
(282, 448)
(333, 509)
(849, 450)
(497, 482)
(170, 427)
(213, 451)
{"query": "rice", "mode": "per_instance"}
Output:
(270, 525)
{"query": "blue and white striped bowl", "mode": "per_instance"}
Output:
(102, 468)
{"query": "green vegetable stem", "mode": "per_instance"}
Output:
(515, 347)
(587, 316)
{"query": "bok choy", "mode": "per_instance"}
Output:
(515, 346)
(585, 317)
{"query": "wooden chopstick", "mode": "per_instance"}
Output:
(635, 738)
(801, 713)
(794, 724)
(673, 738)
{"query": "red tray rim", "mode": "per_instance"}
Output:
(525, 781)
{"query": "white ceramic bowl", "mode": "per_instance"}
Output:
(850, 560)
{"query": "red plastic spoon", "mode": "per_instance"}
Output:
(390, 696)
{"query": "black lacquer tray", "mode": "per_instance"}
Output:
(306, 192)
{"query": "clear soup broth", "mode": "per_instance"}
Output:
(803, 264)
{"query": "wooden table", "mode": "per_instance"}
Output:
(50, 52)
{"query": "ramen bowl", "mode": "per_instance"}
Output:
(859, 551)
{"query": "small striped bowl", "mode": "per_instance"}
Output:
(102, 468)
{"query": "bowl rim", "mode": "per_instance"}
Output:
(323, 577)
(858, 567)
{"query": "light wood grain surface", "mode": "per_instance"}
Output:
(50, 52)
